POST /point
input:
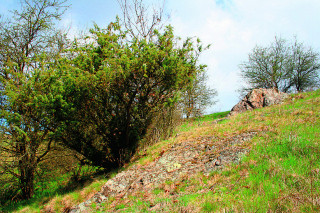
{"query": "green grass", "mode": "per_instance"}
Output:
(209, 206)
(55, 190)
(214, 116)
(192, 123)
(281, 173)
(187, 199)
(43, 190)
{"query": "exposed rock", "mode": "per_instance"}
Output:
(258, 98)
(205, 154)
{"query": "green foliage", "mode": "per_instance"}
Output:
(162, 126)
(27, 127)
(280, 173)
(266, 66)
(114, 87)
(29, 47)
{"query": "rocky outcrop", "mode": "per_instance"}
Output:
(259, 98)
(204, 154)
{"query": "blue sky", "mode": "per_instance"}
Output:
(233, 27)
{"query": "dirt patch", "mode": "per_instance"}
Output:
(204, 154)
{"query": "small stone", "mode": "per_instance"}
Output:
(217, 163)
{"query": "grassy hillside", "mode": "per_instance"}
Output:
(280, 173)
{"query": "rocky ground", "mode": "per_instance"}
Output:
(204, 154)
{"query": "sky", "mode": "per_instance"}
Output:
(232, 27)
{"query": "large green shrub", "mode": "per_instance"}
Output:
(113, 87)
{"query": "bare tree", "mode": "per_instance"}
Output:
(303, 66)
(197, 96)
(284, 66)
(266, 66)
(29, 33)
(140, 20)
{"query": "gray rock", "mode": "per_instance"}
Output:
(258, 98)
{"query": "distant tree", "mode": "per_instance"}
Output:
(303, 68)
(266, 67)
(281, 66)
(197, 97)
(29, 47)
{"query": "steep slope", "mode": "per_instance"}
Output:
(258, 161)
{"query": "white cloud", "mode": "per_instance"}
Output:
(235, 27)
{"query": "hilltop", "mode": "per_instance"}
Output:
(261, 160)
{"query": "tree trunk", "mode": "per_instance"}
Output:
(27, 181)
(26, 166)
